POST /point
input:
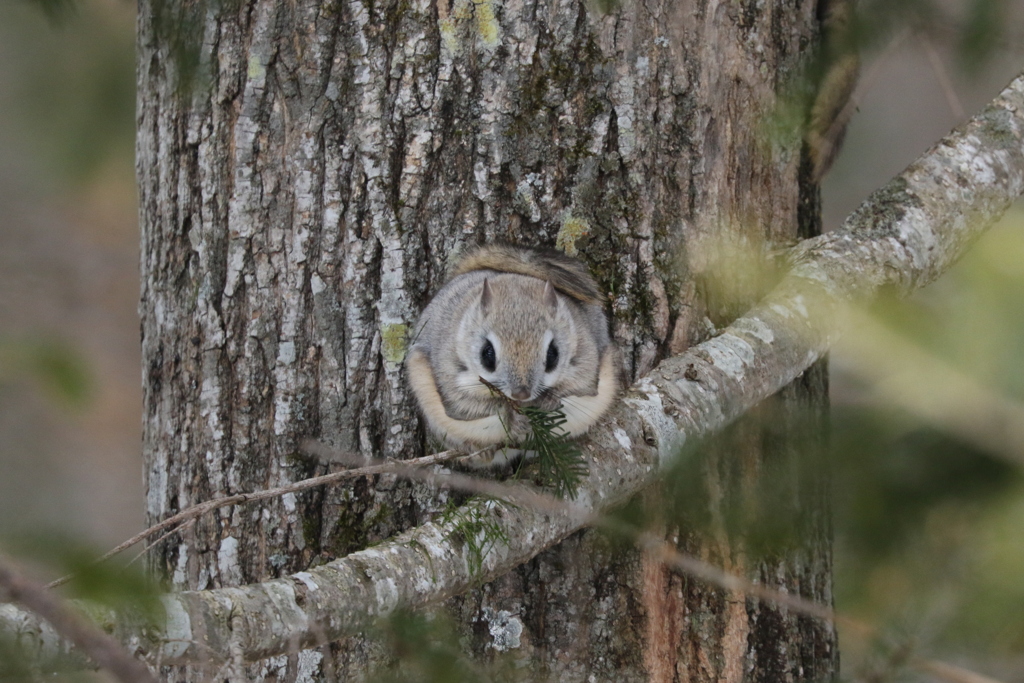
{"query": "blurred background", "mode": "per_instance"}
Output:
(929, 510)
(69, 333)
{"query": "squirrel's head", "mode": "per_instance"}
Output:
(520, 336)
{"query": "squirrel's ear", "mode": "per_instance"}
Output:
(550, 300)
(485, 298)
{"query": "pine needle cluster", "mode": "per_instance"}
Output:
(560, 462)
(476, 528)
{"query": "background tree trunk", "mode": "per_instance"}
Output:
(302, 192)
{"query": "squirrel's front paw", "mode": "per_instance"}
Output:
(519, 428)
(494, 458)
(546, 403)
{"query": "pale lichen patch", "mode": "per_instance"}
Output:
(227, 561)
(623, 438)
(387, 594)
(756, 328)
(289, 618)
(286, 353)
(505, 628)
(394, 342)
(486, 23)
(651, 410)
(181, 568)
(799, 306)
(177, 635)
(573, 228)
(449, 40)
(307, 579)
(256, 70)
(730, 354)
(309, 666)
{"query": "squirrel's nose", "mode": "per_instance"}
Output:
(521, 393)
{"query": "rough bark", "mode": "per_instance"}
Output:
(300, 205)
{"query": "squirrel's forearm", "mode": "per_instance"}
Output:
(484, 431)
(581, 412)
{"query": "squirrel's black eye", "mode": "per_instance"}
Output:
(487, 356)
(552, 360)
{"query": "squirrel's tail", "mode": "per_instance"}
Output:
(568, 275)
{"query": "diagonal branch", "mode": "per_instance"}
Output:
(904, 236)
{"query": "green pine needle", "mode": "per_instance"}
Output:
(559, 460)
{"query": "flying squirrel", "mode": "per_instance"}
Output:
(531, 324)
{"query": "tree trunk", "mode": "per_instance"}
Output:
(308, 171)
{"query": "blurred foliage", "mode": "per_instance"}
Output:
(892, 473)
(972, 318)
(69, 83)
(114, 583)
(103, 588)
(16, 666)
(52, 365)
(57, 11)
(427, 649)
(707, 492)
(927, 525)
(976, 28)
(818, 100)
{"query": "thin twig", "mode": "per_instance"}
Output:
(846, 113)
(200, 509)
(101, 648)
(159, 539)
(942, 76)
(950, 672)
(518, 493)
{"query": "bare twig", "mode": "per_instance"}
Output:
(833, 135)
(159, 539)
(517, 493)
(200, 509)
(950, 672)
(106, 652)
(942, 76)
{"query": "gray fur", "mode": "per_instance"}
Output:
(522, 315)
